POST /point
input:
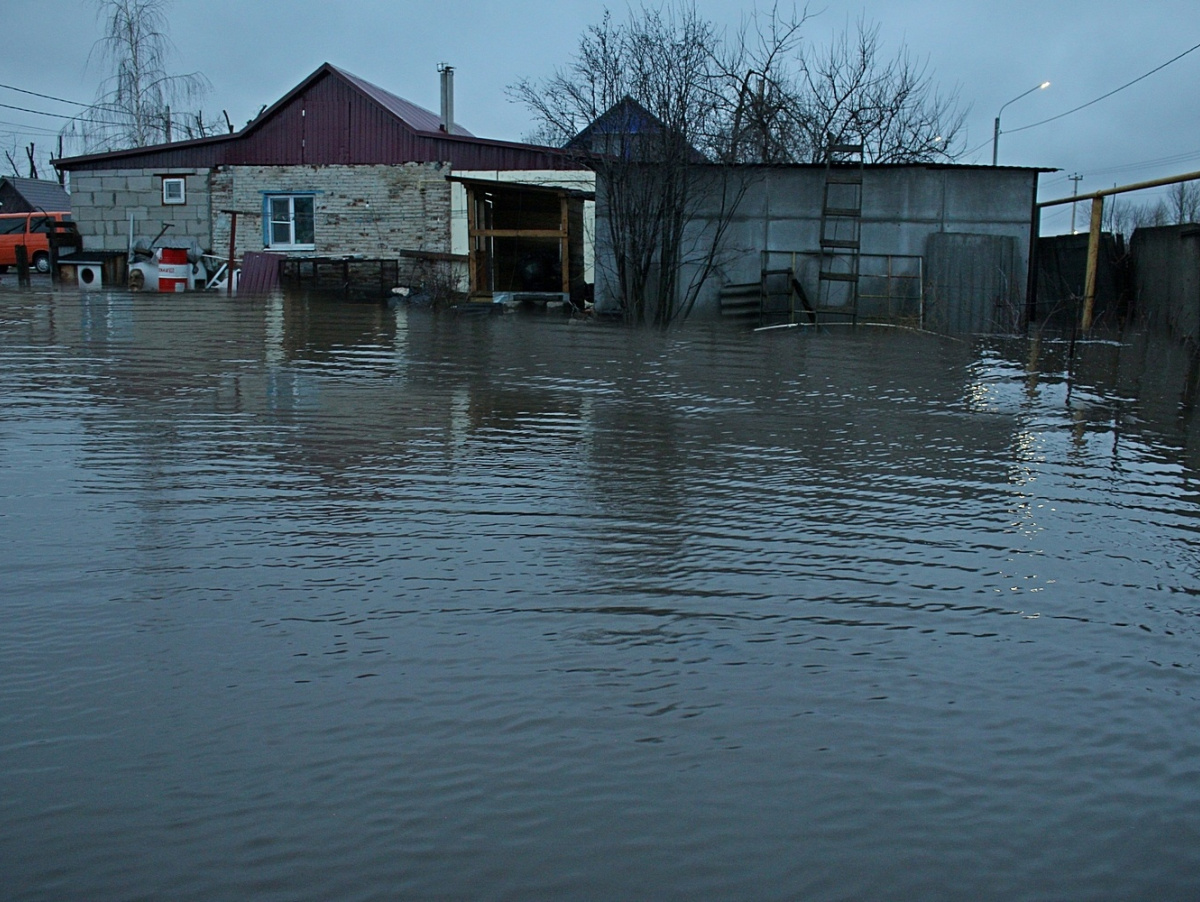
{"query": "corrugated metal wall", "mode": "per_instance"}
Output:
(971, 284)
(1062, 271)
(1166, 265)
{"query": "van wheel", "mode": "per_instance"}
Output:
(41, 262)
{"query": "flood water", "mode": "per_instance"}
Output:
(308, 600)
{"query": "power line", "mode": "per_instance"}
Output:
(1090, 103)
(1105, 96)
(46, 96)
(21, 109)
(75, 118)
(1130, 167)
(967, 153)
(20, 128)
(1162, 161)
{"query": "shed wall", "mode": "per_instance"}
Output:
(902, 207)
(103, 203)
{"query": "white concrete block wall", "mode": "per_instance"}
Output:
(102, 203)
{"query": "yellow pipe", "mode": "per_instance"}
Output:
(1138, 186)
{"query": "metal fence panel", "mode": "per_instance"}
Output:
(972, 284)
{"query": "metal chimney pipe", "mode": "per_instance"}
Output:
(447, 97)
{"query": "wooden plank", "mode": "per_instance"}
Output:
(472, 253)
(516, 233)
(563, 247)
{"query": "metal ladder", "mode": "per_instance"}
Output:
(841, 232)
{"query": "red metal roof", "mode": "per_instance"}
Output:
(418, 117)
(330, 118)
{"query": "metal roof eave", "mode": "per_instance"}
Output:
(69, 163)
(522, 186)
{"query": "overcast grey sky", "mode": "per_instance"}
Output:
(254, 51)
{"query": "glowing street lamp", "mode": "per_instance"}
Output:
(996, 133)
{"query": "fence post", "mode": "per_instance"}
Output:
(22, 265)
(1093, 260)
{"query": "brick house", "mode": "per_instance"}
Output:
(339, 167)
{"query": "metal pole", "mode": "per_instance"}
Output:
(1076, 178)
(22, 254)
(1093, 260)
(232, 246)
(996, 131)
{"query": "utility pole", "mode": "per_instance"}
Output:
(1076, 178)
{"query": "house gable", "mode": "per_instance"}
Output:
(334, 118)
(18, 195)
(627, 131)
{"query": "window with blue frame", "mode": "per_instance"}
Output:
(289, 221)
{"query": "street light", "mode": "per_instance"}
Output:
(996, 133)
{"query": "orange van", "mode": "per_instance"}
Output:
(28, 229)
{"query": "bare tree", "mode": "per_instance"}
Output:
(638, 102)
(31, 164)
(1120, 216)
(851, 93)
(761, 90)
(1183, 203)
(667, 109)
(133, 106)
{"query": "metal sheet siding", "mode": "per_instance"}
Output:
(974, 283)
(277, 141)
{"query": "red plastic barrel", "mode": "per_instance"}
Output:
(173, 269)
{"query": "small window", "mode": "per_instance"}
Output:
(290, 221)
(174, 191)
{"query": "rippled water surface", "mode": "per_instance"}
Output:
(306, 600)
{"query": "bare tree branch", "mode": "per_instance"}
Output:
(132, 107)
(646, 100)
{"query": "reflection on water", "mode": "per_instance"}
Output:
(310, 600)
